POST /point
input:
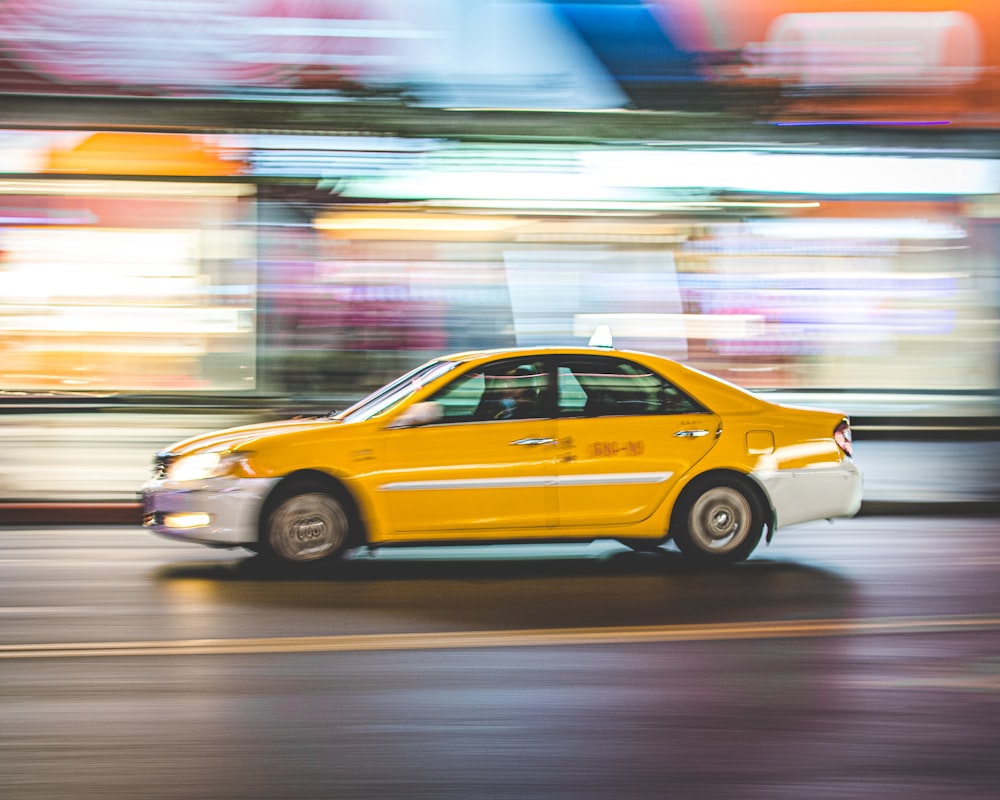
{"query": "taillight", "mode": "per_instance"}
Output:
(842, 436)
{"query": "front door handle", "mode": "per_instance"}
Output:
(692, 434)
(534, 442)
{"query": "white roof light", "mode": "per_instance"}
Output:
(602, 337)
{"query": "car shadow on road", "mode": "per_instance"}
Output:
(507, 587)
(508, 562)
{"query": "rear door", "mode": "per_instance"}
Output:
(626, 436)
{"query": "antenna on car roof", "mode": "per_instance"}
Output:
(602, 338)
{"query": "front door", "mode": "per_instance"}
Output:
(485, 467)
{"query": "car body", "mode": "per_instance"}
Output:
(517, 445)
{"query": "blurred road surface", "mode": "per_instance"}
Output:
(858, 659)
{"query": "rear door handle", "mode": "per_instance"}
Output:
(534, 442)
(692, 434)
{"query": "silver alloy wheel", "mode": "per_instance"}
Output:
(307, 527)
(720, 520)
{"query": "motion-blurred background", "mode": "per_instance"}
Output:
(224, 210)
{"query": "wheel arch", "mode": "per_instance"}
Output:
(303, 479)
(699, 482)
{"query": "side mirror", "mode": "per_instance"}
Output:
(418, 414)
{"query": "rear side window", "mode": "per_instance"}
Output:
(605, 386)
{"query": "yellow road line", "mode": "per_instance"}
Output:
(544, 637)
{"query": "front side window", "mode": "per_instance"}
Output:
(598, 387)
(506, 389)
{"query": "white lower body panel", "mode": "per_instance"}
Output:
(231, 509)
(804, 495)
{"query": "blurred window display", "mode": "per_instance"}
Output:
(868, 298)
(124, 285)
(164, 263)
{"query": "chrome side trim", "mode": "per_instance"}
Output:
(465, 483)
(541, 481)
(615, 479)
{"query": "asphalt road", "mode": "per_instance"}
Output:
(859, 659)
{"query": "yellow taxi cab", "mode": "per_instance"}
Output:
(519, 445)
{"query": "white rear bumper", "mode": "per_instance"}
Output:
(804, 495)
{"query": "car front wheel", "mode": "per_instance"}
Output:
(718, 522)
(307, 526)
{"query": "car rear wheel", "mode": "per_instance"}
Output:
(718, 521)
(305, 527)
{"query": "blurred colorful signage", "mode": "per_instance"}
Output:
(899, 60)
(904, 60)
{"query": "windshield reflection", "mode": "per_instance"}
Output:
(395, 392)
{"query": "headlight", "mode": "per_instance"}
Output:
(200, 466)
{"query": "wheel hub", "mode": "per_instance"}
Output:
(720, 520)
(722, 523)
(309, 529)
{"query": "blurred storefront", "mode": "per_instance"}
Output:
(220, 214)
(117, 277)
(318, 267)
(304, 254)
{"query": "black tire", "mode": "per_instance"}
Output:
(718, 520)
(305, 525)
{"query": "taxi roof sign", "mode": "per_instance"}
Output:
(602, 338)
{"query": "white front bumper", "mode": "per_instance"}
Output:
(804, 495)
(232, 506)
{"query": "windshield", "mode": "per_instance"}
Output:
(394, 393)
